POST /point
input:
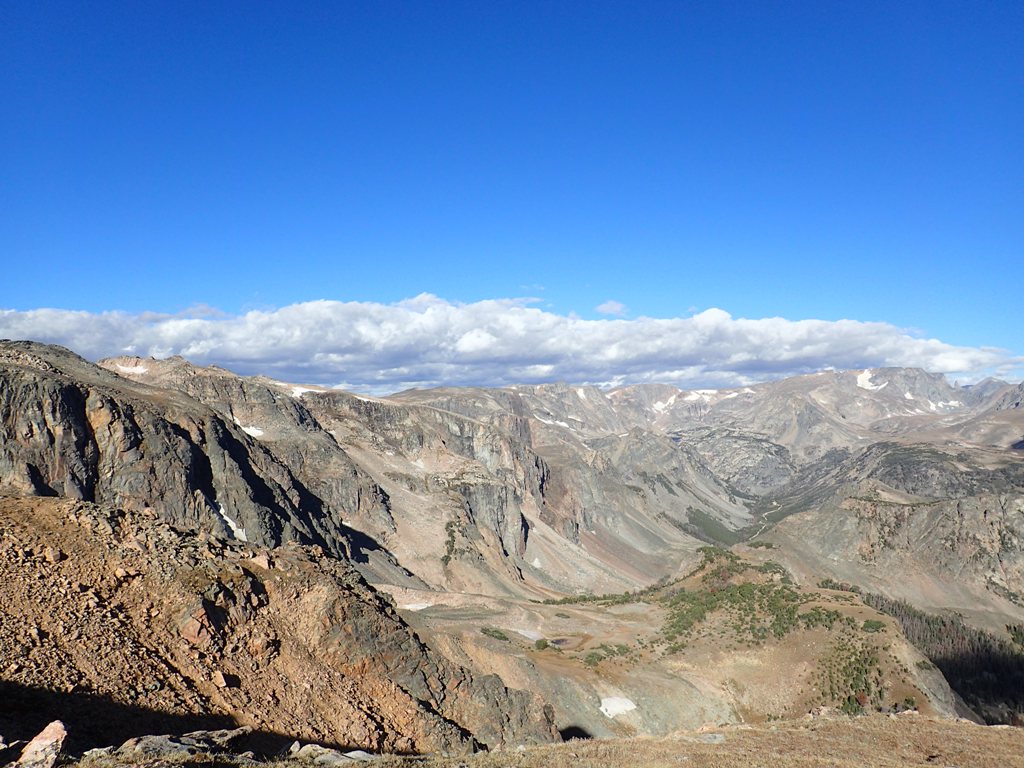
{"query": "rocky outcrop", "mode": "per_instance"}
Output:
(483, 477)
(45, 749)
(70, 429)
(907, 519)
(1010, 399)
(288, 641)
(520, 491)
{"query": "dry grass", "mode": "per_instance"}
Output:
(875, 741)
(865, 742)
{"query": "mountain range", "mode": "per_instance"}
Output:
(640, 560)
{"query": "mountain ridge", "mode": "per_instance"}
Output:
(471, 507)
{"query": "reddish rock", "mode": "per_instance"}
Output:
(44, 749)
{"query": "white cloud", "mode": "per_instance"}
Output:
(427, 341)
(611, 307)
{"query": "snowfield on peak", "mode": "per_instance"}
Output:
(864, 381)
(132, 368)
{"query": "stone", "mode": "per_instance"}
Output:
(98, 752)
(317, 755)
(163, 747)
(44, 750)
(262, 560)
(711, 738)
(222, 680)
(359, 754)
(180, 747)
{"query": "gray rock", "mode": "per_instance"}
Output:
(712, 738)
(168, 747)
(317, 755)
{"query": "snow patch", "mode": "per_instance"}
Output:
(415, 606)
(236, 531)
(616, 705)
(300, 391)
(864, 381)
(530, 634)
(252, 431)
(581, 394)
(131, 368)
(700, 394)
(661, 406)
(908, 396)
(559, 423)
(536, 563)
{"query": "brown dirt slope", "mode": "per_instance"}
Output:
(120, 625)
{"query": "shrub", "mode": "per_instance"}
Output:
(1016, 633)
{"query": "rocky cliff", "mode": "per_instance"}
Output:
(114, 611)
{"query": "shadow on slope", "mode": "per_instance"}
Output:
(987, 671)
(94, 720)
(575, 732)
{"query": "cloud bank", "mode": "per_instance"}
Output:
(427, 341)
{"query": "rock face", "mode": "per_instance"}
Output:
(520, 491)
(164, 626)
(191, 549)
(941, 528)
(73, 430)
(526, 491)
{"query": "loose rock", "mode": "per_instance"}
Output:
(44, 749)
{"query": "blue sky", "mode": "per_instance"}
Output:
(819, 160)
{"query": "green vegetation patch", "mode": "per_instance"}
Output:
(850, 677)
(1016, 633)
(708, 528)
(986, 670)
(450, 528)
(756, 611)
(497, 634)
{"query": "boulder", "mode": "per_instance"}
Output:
(44, 750)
